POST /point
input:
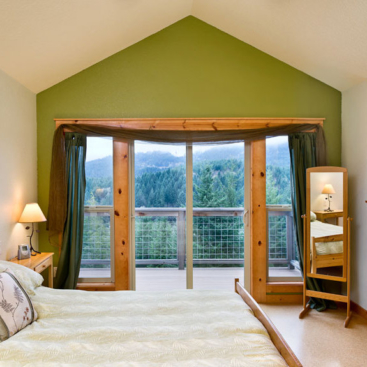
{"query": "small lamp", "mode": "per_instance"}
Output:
(328, 189)
(32, 213)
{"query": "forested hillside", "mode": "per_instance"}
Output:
(218, 178)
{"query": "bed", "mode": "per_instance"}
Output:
(326, 245)
(126, 328)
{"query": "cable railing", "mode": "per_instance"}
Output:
(281, 249)
(160, 236)
(218, 237)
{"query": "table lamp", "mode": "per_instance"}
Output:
(32, 213)
(328, 189)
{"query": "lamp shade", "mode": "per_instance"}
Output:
(328, 189)
(32, 213)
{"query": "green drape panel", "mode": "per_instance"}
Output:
(72, 243)
(303, 155)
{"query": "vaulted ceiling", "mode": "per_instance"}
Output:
(43, 42)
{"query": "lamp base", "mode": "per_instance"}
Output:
(33, 250)
(30, 244)
(328, 210)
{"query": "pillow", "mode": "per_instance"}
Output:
(312, 217)
(16, 309)
(28, 278)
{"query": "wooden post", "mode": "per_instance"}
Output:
(181, 239)
(259, 225)
(306, 307)
(349, 312)
(121, 210)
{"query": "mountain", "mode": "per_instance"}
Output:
(99, 167)
(226, 151)
(156, 161)
(276, 155)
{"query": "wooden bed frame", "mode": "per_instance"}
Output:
(282, 346)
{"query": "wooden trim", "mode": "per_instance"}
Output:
(193, 124)
(275, 336)
(258, 221)
(289, 299)
(280, 287)
(329, 296)
(284, 293)
(359, 310)
(326, 277)
(96, 286)
(121, 210)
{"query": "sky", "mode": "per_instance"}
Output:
(102, 147)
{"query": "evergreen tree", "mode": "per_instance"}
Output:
(204, 195)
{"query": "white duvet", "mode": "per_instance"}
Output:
(319, 229)
(180, 328)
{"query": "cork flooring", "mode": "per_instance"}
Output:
(320, 339)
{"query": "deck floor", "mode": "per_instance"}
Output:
(158, 279)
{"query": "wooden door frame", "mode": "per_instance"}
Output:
(261, 290)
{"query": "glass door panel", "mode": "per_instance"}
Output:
(283, 258)
(160, 199)
(218, 226)
(97, 254)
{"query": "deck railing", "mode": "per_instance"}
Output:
(281, 249)
(218, 237)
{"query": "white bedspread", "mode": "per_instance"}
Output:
(319, 229)
(181, 328)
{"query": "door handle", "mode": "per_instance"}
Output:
(246, 218)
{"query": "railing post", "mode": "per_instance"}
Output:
(290, 248)
(181, 239)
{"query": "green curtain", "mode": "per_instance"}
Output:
(72, 242)
(303, 154)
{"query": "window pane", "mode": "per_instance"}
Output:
(98, 234)
(99, 172)
(282, 251)
(278, 187)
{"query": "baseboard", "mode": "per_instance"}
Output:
(359, 310)
(355, 308)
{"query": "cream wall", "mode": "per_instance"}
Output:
(318, 181)
(18, 161)
(354, 158)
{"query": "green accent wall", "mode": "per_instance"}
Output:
(189, 69)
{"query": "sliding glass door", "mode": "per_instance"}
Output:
(283, 259)
(160, 205)
(218, 215)
(97, 263)
(190, 221)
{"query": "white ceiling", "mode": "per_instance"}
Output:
(43, 42)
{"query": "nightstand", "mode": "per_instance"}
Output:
(39, 263)
(322, 215)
